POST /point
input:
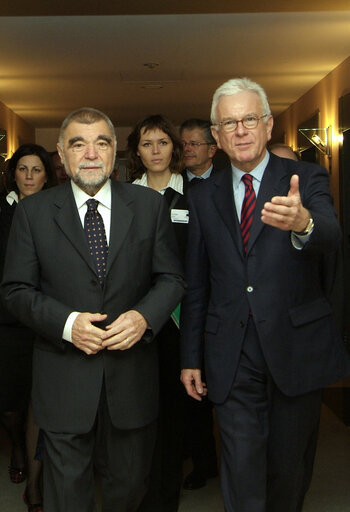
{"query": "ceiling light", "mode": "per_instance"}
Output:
(151, 65)
(152, 86)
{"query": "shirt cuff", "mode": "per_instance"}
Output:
(299, 241)
(67, 331)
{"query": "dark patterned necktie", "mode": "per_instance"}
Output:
(248, 206)
(96, 236)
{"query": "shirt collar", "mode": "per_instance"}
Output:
(12, 197)
(257, 172)
(175, 182)
(103, 196)
(203, 176)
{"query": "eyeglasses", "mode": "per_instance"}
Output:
(250, 122)
(194, 144)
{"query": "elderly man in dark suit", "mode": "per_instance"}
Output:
(92, 267)
(256, 307)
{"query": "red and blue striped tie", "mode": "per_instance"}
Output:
(248, 206)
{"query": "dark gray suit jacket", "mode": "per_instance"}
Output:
(49, 273)
(281, 286)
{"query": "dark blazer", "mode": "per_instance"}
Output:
(179, 202)
(16, 341)
(6, 215)
(216, 168)
(280, 285)
(49, 273)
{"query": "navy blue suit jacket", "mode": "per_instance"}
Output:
(281, 286)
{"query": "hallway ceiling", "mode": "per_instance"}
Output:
(53, 59)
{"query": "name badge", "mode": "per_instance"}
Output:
(179, 216)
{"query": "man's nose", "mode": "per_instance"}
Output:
(241, 129)
(91, 152)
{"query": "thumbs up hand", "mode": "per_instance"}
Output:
(287, 212)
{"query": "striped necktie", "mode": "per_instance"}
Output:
(248, 206)
(96, 237)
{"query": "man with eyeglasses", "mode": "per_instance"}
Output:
(92, 268)
(256, 309)
(199, 149)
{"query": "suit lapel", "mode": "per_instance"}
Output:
(224, 202)
(121, 218)
(68, 220)
(275, 181)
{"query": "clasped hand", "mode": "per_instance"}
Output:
(287, 212)
(121, 334)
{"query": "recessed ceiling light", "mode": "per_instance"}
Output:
(152, 86)
(151, 65)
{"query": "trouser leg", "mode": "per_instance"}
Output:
(243, 423)
(68, 472)
(200, 441)
(291, 450)
(124, 461)
(166, 471)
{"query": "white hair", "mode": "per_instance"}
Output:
(235, 86)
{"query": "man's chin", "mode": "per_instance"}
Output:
(90, 185)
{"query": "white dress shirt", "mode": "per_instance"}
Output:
(104, 197)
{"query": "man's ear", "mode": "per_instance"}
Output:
(59, 151)
(215, 135)
(212, 149)
(269, 126)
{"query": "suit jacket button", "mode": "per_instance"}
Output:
(250, 289)
(241, 324)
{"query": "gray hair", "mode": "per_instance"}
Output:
(201, 124)
(235, 86)
(86, 115)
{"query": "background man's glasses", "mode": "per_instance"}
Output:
(193, 144)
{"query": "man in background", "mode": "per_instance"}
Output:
(59, 169)
(283, 151)
(199, 149)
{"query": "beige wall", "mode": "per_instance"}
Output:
(17, 129)
(324, 97)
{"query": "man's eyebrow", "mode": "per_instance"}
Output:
(105, 138)
(75, 139)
